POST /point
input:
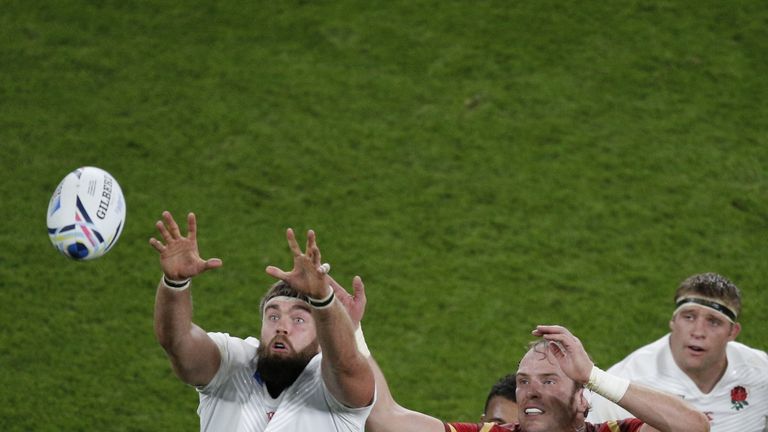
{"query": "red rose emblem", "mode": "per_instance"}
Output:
(739, 398)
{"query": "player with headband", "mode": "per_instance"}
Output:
(699, 360)
(304, 373)
(552, 378)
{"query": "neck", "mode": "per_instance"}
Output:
(707, 378)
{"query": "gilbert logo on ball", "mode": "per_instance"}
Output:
(86, 213)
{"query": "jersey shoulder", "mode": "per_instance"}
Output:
(476, 427)
(648, 359)
(626, 425)
(743, 354)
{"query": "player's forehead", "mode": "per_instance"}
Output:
(499, 401)
(286, 304)
(537, 363)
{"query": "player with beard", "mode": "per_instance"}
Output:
(551, 380)
(277, 383)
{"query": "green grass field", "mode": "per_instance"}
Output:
(484, 166)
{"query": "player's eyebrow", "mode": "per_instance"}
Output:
(301, 306)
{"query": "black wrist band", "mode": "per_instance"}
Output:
(176, 284)
(323, 303)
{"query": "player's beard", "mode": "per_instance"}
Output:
(572, 416)
(279, 372)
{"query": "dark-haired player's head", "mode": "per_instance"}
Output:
(501, 405)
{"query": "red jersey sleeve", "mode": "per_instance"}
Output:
(627, 425)
(474, 427)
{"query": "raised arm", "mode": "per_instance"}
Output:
(659, 411)
(387, 415)
(193, 355)
(346, 372)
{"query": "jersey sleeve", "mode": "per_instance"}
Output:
(345, 419)
(348, 419)
(627, 425)
(474, 427)
(235, 353)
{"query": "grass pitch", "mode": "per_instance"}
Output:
(484, 166)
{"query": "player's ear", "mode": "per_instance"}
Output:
(582, 403)
(735, 330)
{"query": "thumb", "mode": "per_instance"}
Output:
(276, 273)
(359, 289)
(213, 263)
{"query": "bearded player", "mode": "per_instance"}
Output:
(280, 382)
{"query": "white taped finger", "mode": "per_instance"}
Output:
(325, 268)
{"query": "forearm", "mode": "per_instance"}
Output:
(388, 416)
(173, 316)
(194, 356)
(663, 411)
(346, 371)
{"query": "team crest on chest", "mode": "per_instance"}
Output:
(739, 398)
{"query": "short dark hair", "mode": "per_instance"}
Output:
(280, 288)
(714, 286)
(504, 387)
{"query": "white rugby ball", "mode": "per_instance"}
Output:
(86, 213)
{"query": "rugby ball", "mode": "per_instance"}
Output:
(86, 214)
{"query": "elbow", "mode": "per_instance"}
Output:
(703, 422)
(698, 422)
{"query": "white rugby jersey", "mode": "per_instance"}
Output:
(737, 403)
(237, 401)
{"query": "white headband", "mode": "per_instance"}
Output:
(282, 298)
(709, 303)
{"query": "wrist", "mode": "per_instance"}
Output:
(322, 303)
(176, 285)
(609, 386)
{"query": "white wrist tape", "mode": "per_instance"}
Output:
(609, 386)
(323, 302)
(174, 284)
(360, 341)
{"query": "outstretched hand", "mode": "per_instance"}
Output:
(567, 350)
(307, 275)
(179, 256)
(353, 303)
